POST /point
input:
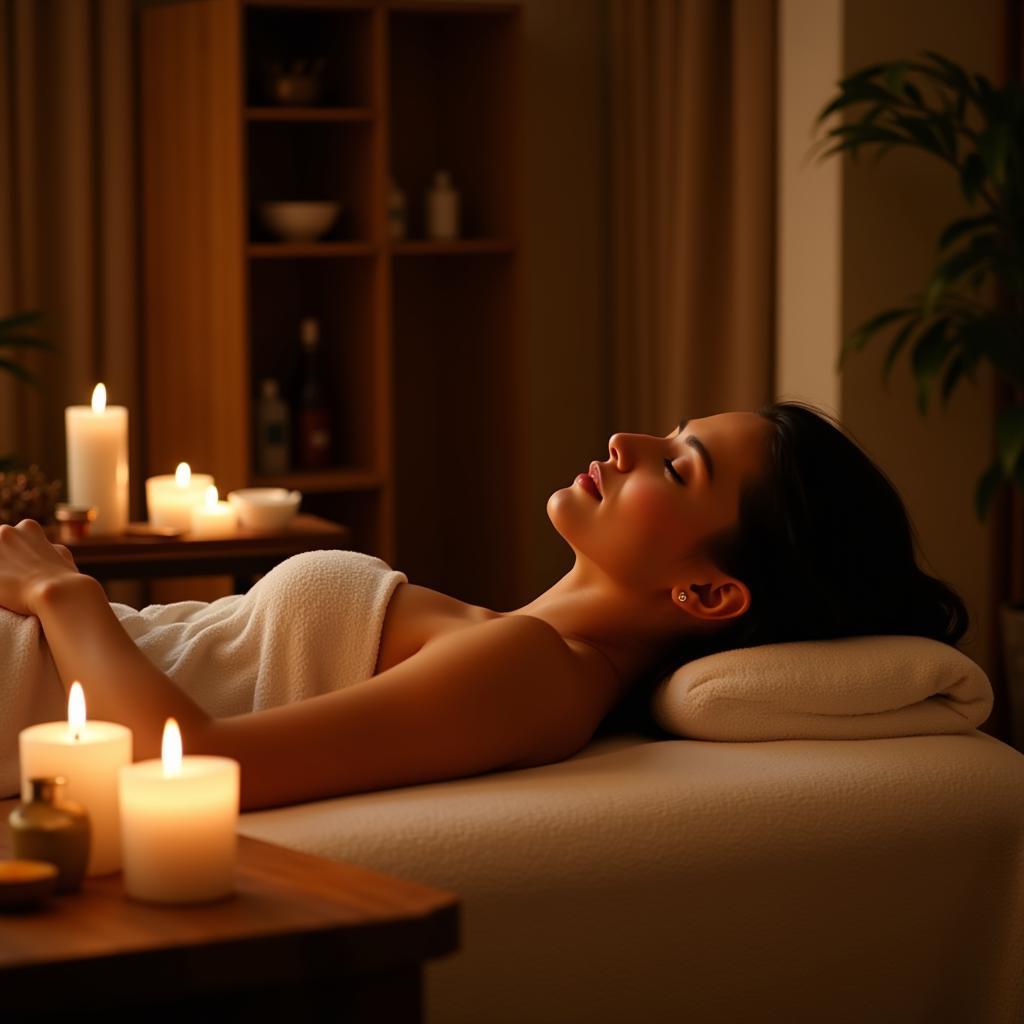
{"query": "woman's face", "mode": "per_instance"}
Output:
(662, 497)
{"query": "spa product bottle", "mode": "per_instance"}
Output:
(272, 447)
(314, 424)
(52, 829)
(442, 208)
(397, 223)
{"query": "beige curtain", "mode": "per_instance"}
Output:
(693, 226)
(68, 215)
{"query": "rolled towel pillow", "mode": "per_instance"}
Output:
(865, 687)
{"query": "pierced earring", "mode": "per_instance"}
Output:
(682, 596)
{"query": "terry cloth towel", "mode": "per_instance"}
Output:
(862, 687)
(309, 626)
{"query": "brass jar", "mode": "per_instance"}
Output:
(51, 829)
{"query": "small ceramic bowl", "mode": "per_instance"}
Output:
(264, 508)
(25, 883)
(299, 221)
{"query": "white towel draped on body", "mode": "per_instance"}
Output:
(311, 625)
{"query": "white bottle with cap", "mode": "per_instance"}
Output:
(272, 443)
(442, 208)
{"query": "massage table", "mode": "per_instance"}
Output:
(652, 879)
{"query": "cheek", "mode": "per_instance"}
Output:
(652, 512)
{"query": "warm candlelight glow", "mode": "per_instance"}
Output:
(171, 749)
(76, 708)
(99, 398)
(183, 474)
(211, 497)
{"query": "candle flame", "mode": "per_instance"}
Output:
(211, 496)
(183, 474)
(76, 708)
(99, 398)
(171, 748)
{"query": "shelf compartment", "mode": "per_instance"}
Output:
(453, 106)
(460, 247)
(457, 424)
(342, 36)
(312, 161)
(310, 250)
(341, 294)
(323, 481)
(330, 114)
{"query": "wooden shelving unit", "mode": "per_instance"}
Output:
(420, 337)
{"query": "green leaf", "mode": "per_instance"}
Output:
(862, 335)
(19, 320)
(961, 363)
(986, 489)
(962, 226)
(896, 347)
(993, 145)
(24, 341)
(16, 370)
(972, 176)
(978, 250)
(1010, 437)
(929, 353)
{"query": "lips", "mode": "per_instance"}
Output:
(595, 475)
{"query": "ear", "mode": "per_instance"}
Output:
(726, 598)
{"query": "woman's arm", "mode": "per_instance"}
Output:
(501, 694)
(504, 693)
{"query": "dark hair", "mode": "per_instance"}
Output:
(824, 543)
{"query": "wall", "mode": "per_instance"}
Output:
(566, 213)
(882, 221)
(893, 213)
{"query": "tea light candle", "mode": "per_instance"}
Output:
(178, 821)
(90, 756)
(214, 518)
(97, 444)
(170, 499)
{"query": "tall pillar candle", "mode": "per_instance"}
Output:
(90, 756)
(97, 444)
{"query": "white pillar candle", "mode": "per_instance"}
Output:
(90, 756)
(171, 498)
(214, 518)
(97, 444)
(178, 821)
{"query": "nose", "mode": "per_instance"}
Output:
(620, 447)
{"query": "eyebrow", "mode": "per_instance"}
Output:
(696, 442)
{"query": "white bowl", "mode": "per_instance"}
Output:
(264, 508)
(299, 222)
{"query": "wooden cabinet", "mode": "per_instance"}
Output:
(420, 338)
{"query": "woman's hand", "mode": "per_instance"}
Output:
(28, 563)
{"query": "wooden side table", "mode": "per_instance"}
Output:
(303, 938)
(245, 555)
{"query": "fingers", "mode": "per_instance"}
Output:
(31, 526)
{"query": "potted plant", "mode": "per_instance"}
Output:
(25, 491)
(936, 106)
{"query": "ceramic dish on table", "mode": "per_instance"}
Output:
(265, 508)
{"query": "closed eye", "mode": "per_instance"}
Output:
(672, 470)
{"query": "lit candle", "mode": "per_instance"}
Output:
(97, 444)
(89, 755)
(170, 499)
(178, 821)
(214, 518)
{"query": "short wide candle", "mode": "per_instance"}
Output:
(178, 821)
(214, 518)
(170, 498)
(89, 755)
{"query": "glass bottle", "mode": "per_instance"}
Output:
(272, 442)
(313, 439)
(52, 829)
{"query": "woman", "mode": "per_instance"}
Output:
(733, 530)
